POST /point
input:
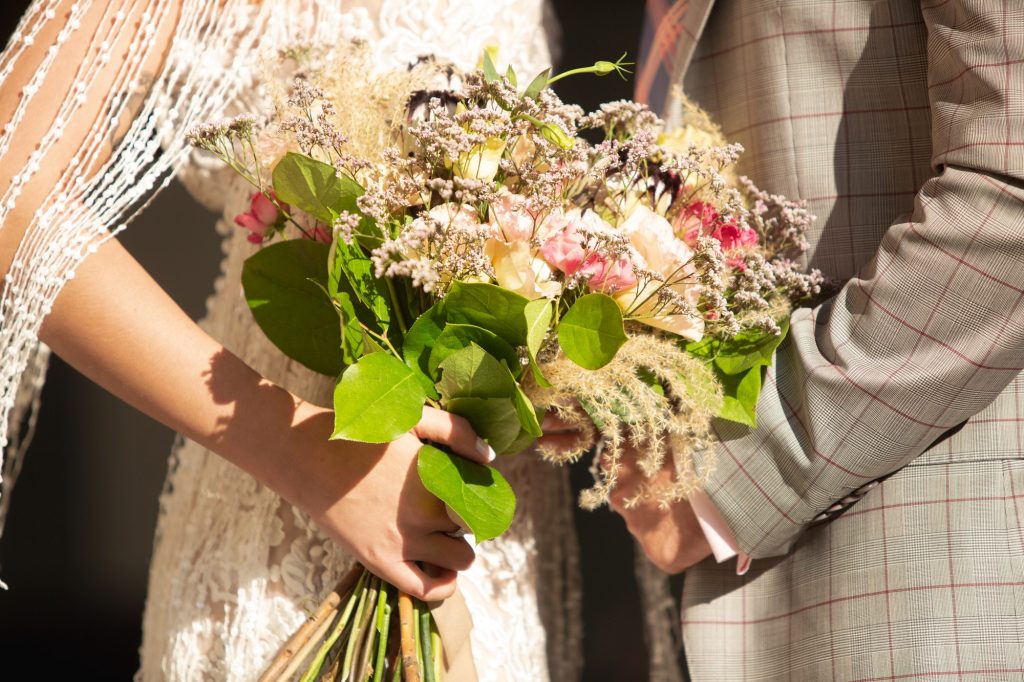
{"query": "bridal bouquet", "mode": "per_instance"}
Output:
(483, 247)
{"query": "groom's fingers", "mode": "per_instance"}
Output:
(453, 430)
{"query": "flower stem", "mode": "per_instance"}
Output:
(410, 665)
(358, 625)
(318, 661)
(394, 302)
(425, 636)
(383, 620)
(323, 614)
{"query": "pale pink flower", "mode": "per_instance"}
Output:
(661, 252)
(262, 217)
(517, 266)
(518, 269)
(565, 250)
(511, 218)
(608, 276)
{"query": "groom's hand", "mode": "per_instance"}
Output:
(670, 535)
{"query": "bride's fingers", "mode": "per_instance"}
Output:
(439, 549)
(426, 583)
(445, 427)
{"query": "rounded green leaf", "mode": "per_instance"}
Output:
(527, 412)
(474, 373)
(455, 337)
(422, 335)
(749, 348)
(496, 420)
(485, 305)
(591, 331)
(538, 314)
(740, 393)
(479, 494)
(315, 187)
(377, 400)
(285, 285)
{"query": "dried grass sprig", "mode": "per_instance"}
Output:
(617, 407)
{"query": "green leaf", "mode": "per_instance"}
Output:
(315, 187)
(479, 494)
(419, 342)
(474, 373)
(490, 72)
(510, 74)
(538, 83)
(749, 348)
(352, 311)
(485, 305)
(591, 331)
(648, 377)
(377, 400)
(494, 419)
(284, 285)
(522, 441)
(538, 376)
(704, 349)
(538, 314)
(739, 396)
(528, 417)
(455, 337)
(352, 263)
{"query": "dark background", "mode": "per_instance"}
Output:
(79, 535)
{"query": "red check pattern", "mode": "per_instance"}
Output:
(902, 123)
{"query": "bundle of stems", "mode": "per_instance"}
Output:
(352, 636)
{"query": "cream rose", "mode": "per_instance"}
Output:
(660, 251)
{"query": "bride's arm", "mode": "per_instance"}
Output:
(115, 324)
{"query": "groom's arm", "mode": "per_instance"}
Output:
(928, 333)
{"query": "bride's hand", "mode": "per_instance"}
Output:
(370, 499)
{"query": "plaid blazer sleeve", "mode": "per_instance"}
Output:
(929, 332)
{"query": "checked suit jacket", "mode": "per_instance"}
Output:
(901, 122)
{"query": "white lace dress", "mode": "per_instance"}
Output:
(235, 569)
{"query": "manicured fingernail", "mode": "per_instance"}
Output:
(486, 450)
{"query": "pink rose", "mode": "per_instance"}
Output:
(261, 218)
(732, 236)
(565, 250)
(607, 276)
(701, 218)
(696, 219)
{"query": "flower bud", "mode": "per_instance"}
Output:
(555, 135)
